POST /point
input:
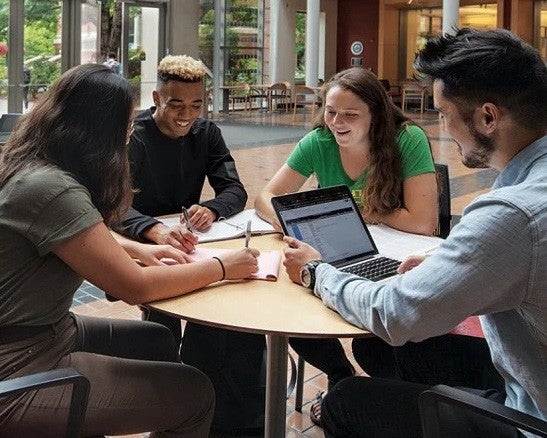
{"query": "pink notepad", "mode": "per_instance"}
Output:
(268, 261)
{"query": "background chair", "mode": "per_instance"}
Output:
(413, 92)
(60, 377)
(280, 91)
(239, 95)
(257, 94)
(305, 96)
(393, 91)
(429, 411)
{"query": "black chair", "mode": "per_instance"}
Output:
(429, 401)
(445, 216)
(7, 123)
(64, 376)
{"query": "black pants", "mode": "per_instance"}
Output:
(452, 360)
(386, 408)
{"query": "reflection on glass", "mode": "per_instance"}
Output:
(243, 40)
(90, 38)
(143, 55)
(42, 48)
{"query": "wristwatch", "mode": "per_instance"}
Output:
(307, 273)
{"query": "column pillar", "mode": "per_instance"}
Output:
(312, 42)
(282, 42)
(184, 27)
(451, 14)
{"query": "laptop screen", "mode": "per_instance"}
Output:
(327, 219)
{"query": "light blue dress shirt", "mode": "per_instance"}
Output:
(494, 264)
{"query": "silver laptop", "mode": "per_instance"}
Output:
(329, 220)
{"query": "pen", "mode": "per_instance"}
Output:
(248, 234)
(187, 219)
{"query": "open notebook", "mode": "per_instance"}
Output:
(229, 228)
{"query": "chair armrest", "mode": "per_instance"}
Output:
(64, 376)
(430, 399)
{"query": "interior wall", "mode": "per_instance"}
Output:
(358, 21)
(522, 17)
(388, 43)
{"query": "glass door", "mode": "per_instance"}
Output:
(143, 45)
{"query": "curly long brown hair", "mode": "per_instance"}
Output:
(81, 126)
(383, 189)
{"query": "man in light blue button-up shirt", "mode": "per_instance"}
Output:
(490, 89)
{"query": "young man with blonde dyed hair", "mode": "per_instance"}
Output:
(172, 150)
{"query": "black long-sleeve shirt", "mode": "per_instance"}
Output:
(170, 173)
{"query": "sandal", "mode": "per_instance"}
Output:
(315, 409)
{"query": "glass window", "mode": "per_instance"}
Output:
(243, 40)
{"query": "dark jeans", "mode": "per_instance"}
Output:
(170, 322)
(326, 355)
(386, 408)
(453, 360)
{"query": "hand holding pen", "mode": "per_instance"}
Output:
(186, 218)
(197, 217)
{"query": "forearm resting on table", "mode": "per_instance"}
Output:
(403, 220)
(96, 256)
(264, 209)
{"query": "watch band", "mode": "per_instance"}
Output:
(311, 267)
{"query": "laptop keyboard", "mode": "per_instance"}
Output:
(375, 269)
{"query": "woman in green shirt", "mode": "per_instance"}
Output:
(362, 140)
(64, 177)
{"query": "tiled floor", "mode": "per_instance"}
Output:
(256, 163)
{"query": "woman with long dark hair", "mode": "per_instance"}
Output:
(64, 177)
(361, 139)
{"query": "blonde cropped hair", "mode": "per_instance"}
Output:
(180, 68)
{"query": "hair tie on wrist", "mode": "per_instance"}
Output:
(222, 266)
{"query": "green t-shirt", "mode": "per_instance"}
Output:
(39, 210)
(318, 153)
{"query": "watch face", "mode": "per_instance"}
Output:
(305, 277)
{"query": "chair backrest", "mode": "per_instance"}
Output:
(413, 87)
(279, 89)
(8, 121)
(304, 94)
(385, 83)
(445, 214)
